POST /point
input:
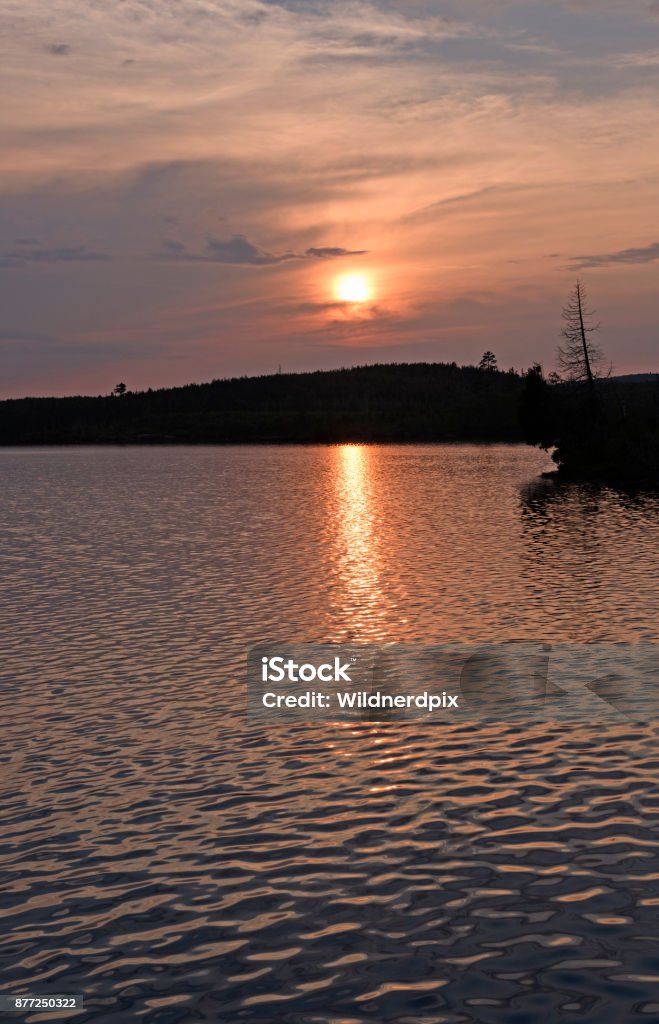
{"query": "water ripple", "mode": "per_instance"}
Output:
(174, 863)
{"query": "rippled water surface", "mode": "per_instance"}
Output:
(176, 863)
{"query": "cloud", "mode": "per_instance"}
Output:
(58, 49)
(62, 254)
(326, 252)
(489, 191)
(647, 254)
(431, 208)
(30, 337)
(171, 249)
(466, 196)
(239, 251)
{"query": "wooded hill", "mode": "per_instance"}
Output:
(385, 402)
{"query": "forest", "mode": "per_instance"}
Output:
(398, 402)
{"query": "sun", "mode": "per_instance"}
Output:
(352, 288)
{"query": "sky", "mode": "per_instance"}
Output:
(185, 182)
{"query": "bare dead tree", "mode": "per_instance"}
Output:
(579, 358)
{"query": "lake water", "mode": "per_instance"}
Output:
(177, 863)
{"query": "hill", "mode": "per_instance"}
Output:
(636, 378)
(384, 402)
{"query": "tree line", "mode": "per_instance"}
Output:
(404, 402)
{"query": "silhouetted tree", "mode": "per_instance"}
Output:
(537, 414)
(488, 361)
(119, 389)
(579, 357)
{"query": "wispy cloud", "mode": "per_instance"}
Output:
(236, 251)
(239, 251)
(645, 254)
(485, 193)
(29, 253)
(329, 252)
(439, 205)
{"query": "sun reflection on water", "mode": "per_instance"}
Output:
(359, 556)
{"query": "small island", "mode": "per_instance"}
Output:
(599, 427)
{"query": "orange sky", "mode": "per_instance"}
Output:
(184, 182)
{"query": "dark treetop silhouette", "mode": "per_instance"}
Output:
(394, 402)
(600, 428)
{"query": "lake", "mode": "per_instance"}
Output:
(175, 862)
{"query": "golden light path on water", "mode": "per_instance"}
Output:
(360, 557)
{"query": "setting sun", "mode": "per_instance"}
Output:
(353, 288)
